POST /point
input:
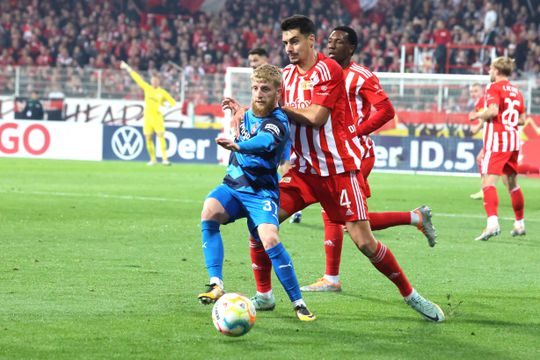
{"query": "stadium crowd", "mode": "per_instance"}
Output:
(98, 34)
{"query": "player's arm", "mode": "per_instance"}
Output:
(487, 114)
(136, 77)
(522, 119)
(272, 133)
(314, 115)
(371, 92)
(169, 99)
(385, 112)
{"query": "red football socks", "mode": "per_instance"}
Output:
(386, 263)
(383, 220)
(491, 200)
(261, 265)
(518, 202)
(333, 242)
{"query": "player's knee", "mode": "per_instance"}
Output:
(210, 214)
(269, 240)
(362, 237)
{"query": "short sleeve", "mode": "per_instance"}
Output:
(329, 84)
(492, 95)
(372, 91)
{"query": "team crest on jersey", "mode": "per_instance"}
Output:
(285, 180)
(306, 85)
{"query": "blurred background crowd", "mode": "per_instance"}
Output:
(179, 36)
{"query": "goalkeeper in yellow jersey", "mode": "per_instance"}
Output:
(154, 98)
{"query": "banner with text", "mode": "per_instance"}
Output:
(50, 140)
(427, 154)
(183, 145)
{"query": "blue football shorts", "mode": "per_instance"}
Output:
(257, 209)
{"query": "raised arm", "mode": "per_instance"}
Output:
(136, 77)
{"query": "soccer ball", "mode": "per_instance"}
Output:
(233, 314)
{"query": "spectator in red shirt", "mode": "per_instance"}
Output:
(441, 37)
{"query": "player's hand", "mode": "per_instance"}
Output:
(230, 104)
(473, 115)
(227, 143)
(236, 120)
(124, 66)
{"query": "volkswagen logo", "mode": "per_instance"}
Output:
(127, 143)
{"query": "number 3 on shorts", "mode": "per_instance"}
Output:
(267, 206)
(344, 199)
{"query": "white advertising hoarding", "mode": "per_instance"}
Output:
(111, 112)
(51, 140)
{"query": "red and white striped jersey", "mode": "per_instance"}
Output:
(333, 148)
(363, 91)
(480, 104)
(501, 133)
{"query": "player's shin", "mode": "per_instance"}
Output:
(491, 200)
(212, 246)
(261, 265)
(333, 243)
(285, 271)
(386, 263)
(518, 202)
(151, 149)
(163, 147)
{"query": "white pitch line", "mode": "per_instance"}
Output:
(188, 201)
(100, 196)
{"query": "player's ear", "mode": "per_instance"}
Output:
(311, 39)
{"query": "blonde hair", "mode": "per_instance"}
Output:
(504, 65)
(267, 73)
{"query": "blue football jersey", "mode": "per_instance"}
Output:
(256, 171)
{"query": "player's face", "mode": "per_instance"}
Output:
(155, 81)
(492, 73)
(475, 92)
(256, 60)
(264, 97)
(339, 47)
(298, 47)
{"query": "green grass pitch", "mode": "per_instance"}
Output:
(104, 261)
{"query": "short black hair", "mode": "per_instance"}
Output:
(300, 22)
(351, 35)
(258, 51)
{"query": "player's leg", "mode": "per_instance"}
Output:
(492, 168)
(346, 203)
(148, 131)
(419, 217)
(333, 243)
(160, 132)
(284, 269)
(263, 222)
(220, 207)
(292, 199)
(480, 194)
(516, 195)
